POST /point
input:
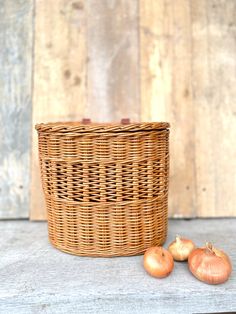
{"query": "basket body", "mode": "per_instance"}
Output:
(106, 186)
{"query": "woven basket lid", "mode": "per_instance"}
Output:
(80, 127)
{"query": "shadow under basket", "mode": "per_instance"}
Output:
(105, 185)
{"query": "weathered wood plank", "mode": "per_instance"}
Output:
(54, 282)
(221, 20)
(183, 182)
(59, 74)
(156, 50)
(113, 68)
(166, 89)
(204, 128)
(188, 78)
(16, 25)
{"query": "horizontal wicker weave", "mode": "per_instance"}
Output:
(105, 185)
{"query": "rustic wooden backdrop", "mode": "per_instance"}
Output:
(149, 60)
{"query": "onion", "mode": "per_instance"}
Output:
(158, 262)
(181, 248)
(210, 265)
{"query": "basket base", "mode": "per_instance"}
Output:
(122, 253)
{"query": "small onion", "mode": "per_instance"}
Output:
(210, 265)
(158, 262)
(181, 248)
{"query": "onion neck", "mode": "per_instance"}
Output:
(177, 239)
(209, 248)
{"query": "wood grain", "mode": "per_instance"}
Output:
(221, 18)
(204, 155)
(54, 282)
(156, 50)
(187, 51)
(165, 43)
(16, 26)
(183, 183)
(59, 74)
(113, 53)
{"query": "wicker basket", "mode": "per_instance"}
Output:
(105, 185)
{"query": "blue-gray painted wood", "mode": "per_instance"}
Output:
(37, 278)
(16, 27)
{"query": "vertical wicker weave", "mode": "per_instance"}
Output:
(105, 185)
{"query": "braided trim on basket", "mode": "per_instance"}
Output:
(77, 127)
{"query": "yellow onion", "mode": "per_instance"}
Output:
(158, 262)
(181, 248)
(210, 265)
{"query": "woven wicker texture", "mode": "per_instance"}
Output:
(105, 185)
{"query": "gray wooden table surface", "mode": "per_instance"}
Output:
(36, 278)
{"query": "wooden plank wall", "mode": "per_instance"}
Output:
(147, 60)
(60, 67)
(16, 29)
(84, 67)
(113, 60)
(188, 64)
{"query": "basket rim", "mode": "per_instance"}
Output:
(79, 127)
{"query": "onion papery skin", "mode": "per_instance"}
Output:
(181, 248)
(210, 266)
(158, 262)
